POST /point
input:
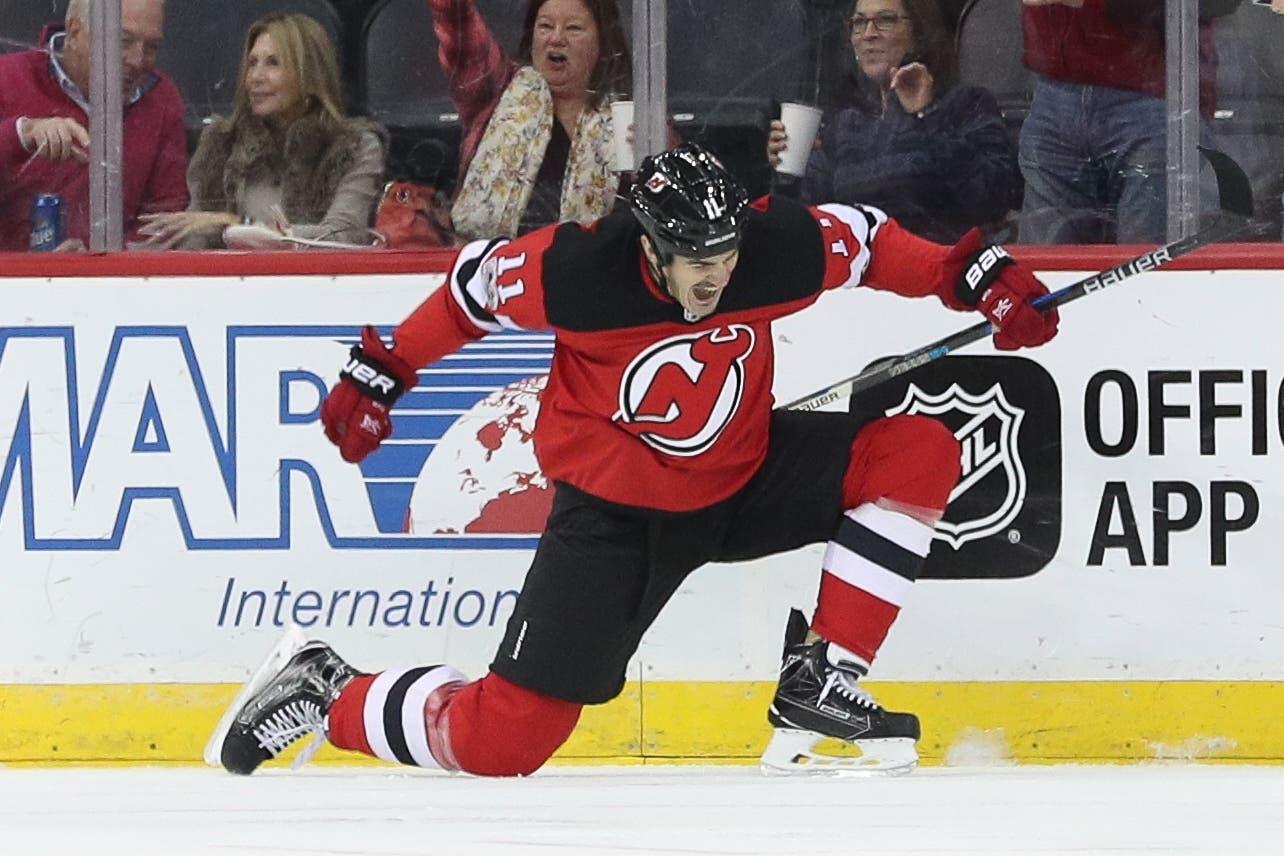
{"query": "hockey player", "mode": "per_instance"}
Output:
(657, 427)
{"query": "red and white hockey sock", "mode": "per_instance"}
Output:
(384, 714)
(429, 717)
(869, 568)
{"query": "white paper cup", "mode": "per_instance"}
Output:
(622, 148)
(801, 123)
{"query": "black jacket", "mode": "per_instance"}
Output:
(939, 174)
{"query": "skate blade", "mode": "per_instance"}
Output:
(286, 647)
(793, 752)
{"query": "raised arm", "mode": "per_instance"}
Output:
(470, 55)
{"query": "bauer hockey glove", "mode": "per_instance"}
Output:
(989, 280)
(356, 412)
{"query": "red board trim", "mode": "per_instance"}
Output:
(238, 264)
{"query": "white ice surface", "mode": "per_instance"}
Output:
(1154, 809)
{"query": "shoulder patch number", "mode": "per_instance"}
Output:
(837, 236)
(498, 290)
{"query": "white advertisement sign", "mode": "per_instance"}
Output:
(168, 500)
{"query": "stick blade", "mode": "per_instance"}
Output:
(1233, 187)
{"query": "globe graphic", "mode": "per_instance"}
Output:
(482, 476)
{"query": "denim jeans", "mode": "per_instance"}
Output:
(1094, 160)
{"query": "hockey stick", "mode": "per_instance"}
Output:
(1236, 198)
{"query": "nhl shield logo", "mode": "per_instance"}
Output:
(1004, 516)
(988, 428)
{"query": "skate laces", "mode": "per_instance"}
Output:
(842, 680)
(845, 685)
(289, 723)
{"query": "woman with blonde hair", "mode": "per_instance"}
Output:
(288, 159)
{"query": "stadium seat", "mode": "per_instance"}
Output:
(989, 51)
(761, 52)
(723, 91)
(22, 20)
(1249, 124)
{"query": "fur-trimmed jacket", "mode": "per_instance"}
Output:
(325, 176)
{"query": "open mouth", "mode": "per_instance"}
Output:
(705, 293)
(557, 58)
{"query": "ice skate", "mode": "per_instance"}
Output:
(818, 702)
(286, 699)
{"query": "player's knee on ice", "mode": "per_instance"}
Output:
(497, 728)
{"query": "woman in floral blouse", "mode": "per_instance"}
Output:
(536, 128)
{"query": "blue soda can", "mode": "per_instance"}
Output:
(46, 223)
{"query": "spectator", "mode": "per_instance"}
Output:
(910, 138)
(1094, 148)
(288, 158)
(537, 131)
(44, 114)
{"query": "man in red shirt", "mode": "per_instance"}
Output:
(44, 116)
(657, 427)
(1093, 148)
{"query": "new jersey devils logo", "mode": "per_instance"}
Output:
(678, 395)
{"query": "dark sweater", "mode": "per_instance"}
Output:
(938, 175)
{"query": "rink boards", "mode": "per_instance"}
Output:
(1106, 585)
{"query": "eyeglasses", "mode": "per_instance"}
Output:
(883, 22)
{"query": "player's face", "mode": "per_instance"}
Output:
(697, 284)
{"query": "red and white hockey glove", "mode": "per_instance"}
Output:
(355, 413)
(992, 282)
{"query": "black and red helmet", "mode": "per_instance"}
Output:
(688, 204)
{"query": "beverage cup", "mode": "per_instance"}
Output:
(801, 123)
(622, 149)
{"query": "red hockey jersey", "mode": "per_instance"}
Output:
(641, 407)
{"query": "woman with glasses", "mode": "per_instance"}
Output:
(907, 137)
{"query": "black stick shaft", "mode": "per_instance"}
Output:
(1225, 228)
(1235, 194)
